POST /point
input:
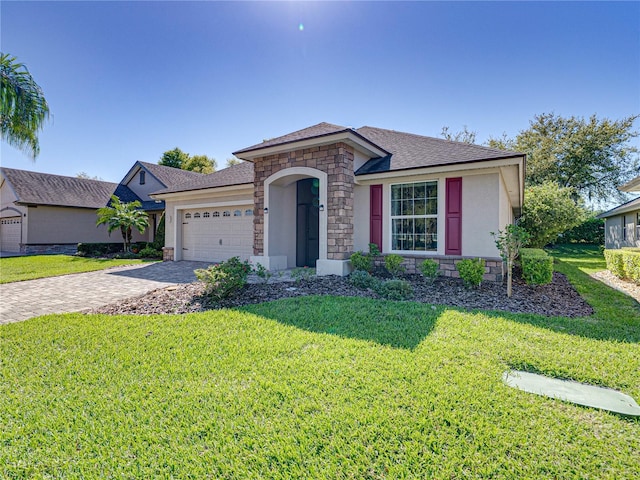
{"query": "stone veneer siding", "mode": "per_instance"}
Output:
(336, 160)
(493, 270)
(167, 254)
(64, 248)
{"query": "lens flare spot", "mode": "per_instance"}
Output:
(301, 27)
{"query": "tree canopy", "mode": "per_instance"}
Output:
(592, 156)
(176, 158)
(23, 109)
(465, 135)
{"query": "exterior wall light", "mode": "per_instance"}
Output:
(321, 207)
(266, 210)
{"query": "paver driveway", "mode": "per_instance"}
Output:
(84, 291)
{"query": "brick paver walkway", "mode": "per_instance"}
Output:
(84, 291)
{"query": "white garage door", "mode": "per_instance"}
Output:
(217, 234)
(10, 234)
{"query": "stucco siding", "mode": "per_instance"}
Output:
(361, 220)
(54, 225)
(506, 209)
(616, 237)
(150, 185)
(480, 214)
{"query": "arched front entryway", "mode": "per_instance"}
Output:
(295, 220)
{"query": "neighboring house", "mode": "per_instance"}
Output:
(40, 212)
(313, 197)
(622, 224)
(47, 213)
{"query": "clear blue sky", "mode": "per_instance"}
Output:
(127, 81)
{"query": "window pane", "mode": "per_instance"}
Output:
(396, 192)
(407, 191)
(431, 207)
(419, 190)
(432, 190)
(396, 207)
(407, 207)
(419, 207)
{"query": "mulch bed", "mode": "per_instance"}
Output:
(559, 298)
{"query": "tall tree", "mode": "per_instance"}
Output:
(23, 109)
(200, 163)
(88, 177)
(592, 156)
(175, 158)
(125, 217)
(233, 161)
(466, 135)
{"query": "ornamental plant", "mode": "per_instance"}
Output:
(509, 242)
(393, 264)
(430, 270)
(471, 271)
(224, 279)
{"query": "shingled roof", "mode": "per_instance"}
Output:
(170, 176)
(239, 174)
(36, 188)
(409, 151)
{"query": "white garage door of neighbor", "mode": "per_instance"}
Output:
(217, 234)
(10, 229)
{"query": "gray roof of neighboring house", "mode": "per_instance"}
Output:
(170, 176)
(630, 206)
(126, 195)
(46, 189)
(239, 174)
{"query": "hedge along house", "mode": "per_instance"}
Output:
(622, 223)
(313, 197)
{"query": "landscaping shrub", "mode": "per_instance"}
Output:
(590, 231)
(149, 252)
(363, 280)
(263, 273)
(303, 273)
(225, 279)
(430, 269)
(537, 266)
(471, 271)
(364, 261)
(98, 249)
(393, 264)
(624, 264)
(158, 243)
(395, 289)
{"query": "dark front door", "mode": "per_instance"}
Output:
(308, 222)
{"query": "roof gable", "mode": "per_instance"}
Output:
(46, 189)
(166, 176)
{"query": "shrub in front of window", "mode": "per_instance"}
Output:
(537, 266)
(225, 279)
(393, 264)
(363, 280)
(471, 271)
(361, 261)
(430, 270)
(395, 289)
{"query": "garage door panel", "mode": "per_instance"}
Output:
(207, 236)
(10, 234)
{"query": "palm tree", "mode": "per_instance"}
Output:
(123, 216)
(24, 108)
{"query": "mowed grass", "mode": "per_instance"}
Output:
(16, 269)
(316, 387)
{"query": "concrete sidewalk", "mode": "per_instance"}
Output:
(84, 291)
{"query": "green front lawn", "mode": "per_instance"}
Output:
(316, 387)
(16, 269)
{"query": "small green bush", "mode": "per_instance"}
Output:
(430, 269)
(393, 264)
(471, 271)
(395, 289)
(150, 252)
(303, 273)
(98, 249)
(263, 273)
(158, 243)
(624, 263)
(362, 261)
(537, 266)
(363, 280)
(225, 279)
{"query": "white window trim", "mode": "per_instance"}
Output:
(425, 253)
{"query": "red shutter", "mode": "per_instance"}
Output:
(453, 219)
(375, 217)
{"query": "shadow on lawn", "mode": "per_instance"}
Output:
(396, 324)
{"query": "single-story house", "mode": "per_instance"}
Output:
(45, 213)
(622, 223)
(314, 196)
